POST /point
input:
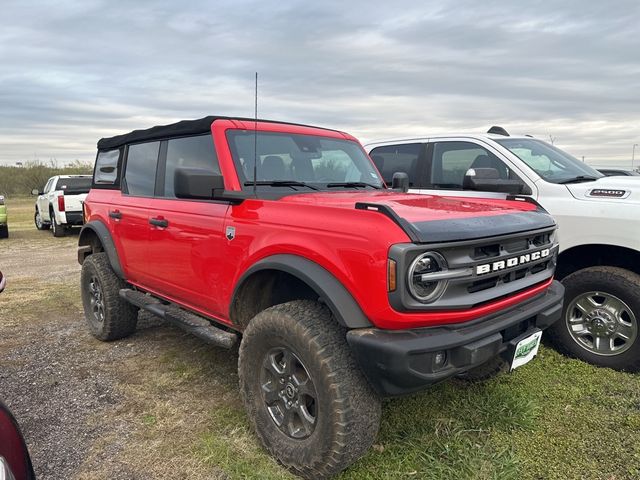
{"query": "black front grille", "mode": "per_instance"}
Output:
(481, 271)
(517, 248)
(484, 284)
(508, 249)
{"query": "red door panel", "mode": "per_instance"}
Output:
(183, 255)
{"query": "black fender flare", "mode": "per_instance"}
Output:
(103, 234)
(329, 289)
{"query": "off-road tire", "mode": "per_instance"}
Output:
(120, 317)
(43, 225)
(487, 370)
(4, 231)
(348, 413)
(56, 228)
(622, 283)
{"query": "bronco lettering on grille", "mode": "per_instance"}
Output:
(512, 262)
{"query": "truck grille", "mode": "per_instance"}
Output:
(522, 250)
(480, 271)
(512, 248)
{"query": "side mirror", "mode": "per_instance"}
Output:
(400, 182)
(35, 191)
(197, 183)
(488, 180)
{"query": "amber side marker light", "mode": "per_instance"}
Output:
(391, 275)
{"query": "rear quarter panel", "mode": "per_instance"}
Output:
(130, 230)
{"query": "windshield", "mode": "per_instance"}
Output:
(301, 162)
(549, 162)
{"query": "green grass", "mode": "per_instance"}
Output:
(552, 419)
(231, 445)
(20, 212)
(555, 418)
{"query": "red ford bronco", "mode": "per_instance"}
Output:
(342, 290)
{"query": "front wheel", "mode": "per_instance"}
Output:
(4, 231)
(40, 224)
(599, 321)
(304, 394)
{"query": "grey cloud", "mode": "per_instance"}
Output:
(74, 71)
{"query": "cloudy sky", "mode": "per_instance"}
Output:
(74, 71)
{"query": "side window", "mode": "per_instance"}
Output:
(397, 158)
(47, 187)
(189, 152)
(451, 160)
(106, 171)
(140, 170)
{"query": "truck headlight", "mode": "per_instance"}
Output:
(425, 277)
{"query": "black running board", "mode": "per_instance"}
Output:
(189, 322)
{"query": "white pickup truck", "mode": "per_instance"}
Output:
(598, 218)
(59, 205)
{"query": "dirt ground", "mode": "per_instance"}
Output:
(92, 410)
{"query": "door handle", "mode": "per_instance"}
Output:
(159, 222)
(115, 214)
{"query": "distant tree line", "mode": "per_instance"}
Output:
(20, 180)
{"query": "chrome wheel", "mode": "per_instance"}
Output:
(601, 323)
(96, 299)
(38, 221)
(289, 393)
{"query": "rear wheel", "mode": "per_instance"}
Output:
(57, 229)
(304, 394)
(4, 231)
(108, 316)
(600, 318)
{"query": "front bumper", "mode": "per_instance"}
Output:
(398, 362)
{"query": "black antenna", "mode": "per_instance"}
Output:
(255, 139)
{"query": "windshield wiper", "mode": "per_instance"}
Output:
(352, 185)
(281, 183)
(578, 179)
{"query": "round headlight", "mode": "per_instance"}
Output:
(420, 286)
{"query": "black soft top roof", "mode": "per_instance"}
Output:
(178, 129)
